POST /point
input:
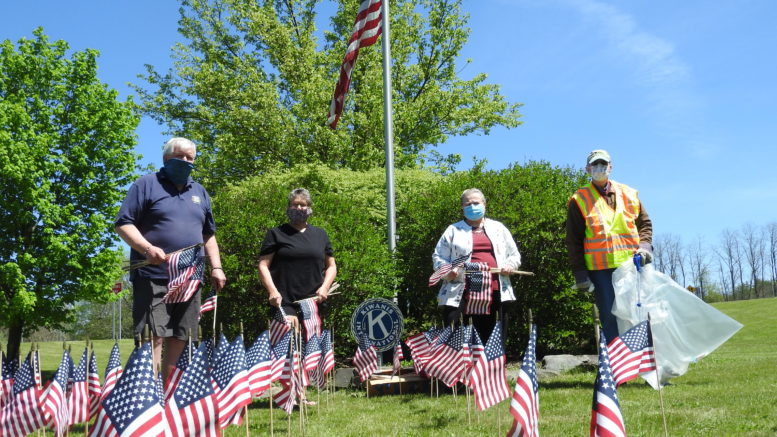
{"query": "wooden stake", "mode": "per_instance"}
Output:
(658, 379)
(269, 394)
(596, 328)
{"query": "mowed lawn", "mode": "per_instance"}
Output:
(732, 392)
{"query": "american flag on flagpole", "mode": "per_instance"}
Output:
(172, 380)
(259, 363)
(112, 372)
(525, 405)
(78, 400)
(230, 383)
(291, 386)
(366, 358)
(191, 410)
(218, 350)
(420, 347)
(280, 352)
(446, 268)
(631, 353)
(278, 325)
(476, 350)
(132, 408)
(366, 30)
(451, 358)
(23, 414)
(310, 317)
(478, 296)
(6, 379)
(327, 362)
(606, 417)
(488, 379)
(312, 354)
(397, 359)
(185, 270)
(210, 302)
(54, 399)
(94, 387)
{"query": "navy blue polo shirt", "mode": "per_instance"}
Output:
(167, 218)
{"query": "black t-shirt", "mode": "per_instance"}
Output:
(297, 267)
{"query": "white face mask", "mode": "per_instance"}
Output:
(600, 172)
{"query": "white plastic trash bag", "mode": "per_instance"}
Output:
(685, 328)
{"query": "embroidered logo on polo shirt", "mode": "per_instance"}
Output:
(196, 199)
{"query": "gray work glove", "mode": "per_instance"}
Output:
(646, 254)
(582, 282)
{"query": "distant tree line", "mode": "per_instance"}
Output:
(741, 264)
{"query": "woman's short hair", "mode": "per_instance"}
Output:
(470, 191)
(300, 192)
(178, 143)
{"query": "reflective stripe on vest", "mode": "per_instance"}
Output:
(611, 236)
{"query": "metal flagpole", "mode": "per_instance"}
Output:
(388, 125)
(269, 390)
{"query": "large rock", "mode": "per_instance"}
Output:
(346, 377)
(561, 363)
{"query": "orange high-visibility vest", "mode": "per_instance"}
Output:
(611, 235)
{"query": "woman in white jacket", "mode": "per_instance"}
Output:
(471, 290)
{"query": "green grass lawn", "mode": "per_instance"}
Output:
(732, 392)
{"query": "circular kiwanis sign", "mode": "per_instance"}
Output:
(381, 320)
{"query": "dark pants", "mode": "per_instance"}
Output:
(605, 298)
(167, 320)
(483, 323)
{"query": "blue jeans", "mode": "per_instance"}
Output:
(605, 298)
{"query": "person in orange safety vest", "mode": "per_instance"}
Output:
(606, 226)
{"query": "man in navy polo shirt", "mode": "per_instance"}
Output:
(164, 212)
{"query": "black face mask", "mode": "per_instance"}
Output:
(178, 170)
(299, 215)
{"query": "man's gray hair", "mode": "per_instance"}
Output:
(470, 191)
(300, 192)
(178, 143)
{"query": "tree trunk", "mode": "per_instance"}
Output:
(15, 338)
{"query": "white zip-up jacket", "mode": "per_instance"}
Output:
(456, 242)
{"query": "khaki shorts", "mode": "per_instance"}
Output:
(166, 320)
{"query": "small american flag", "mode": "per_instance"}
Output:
(478, 294)
(310, 318)
(210, 302)
(631, 353)
(259, 363)
(112, 371)
(191, 410)
(366, 358)
(78, 400)
(55, 401)
(398, 357)
(291, 385)
(6, 380)
(280, 351)
(525, 405)
(278, 325)
(446, 268)
(327, 362)
(93, 382)
(230, 383)
(420, 346)
(312, 353)
(23, 414)
(451, 358)
(606, 418)
(476, 350)
(184, 270)
(132, 408)
(172, 380)
(488, 379)
(366, 30)
(220, 348)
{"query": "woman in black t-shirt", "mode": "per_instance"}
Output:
(296, 260)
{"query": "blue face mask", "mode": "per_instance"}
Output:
(474, 211)
(178, 170)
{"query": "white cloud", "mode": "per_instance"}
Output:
(654, 58)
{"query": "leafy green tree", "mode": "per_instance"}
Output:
(66, 151)
(254, 79)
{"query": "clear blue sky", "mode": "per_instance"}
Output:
(682, 94)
